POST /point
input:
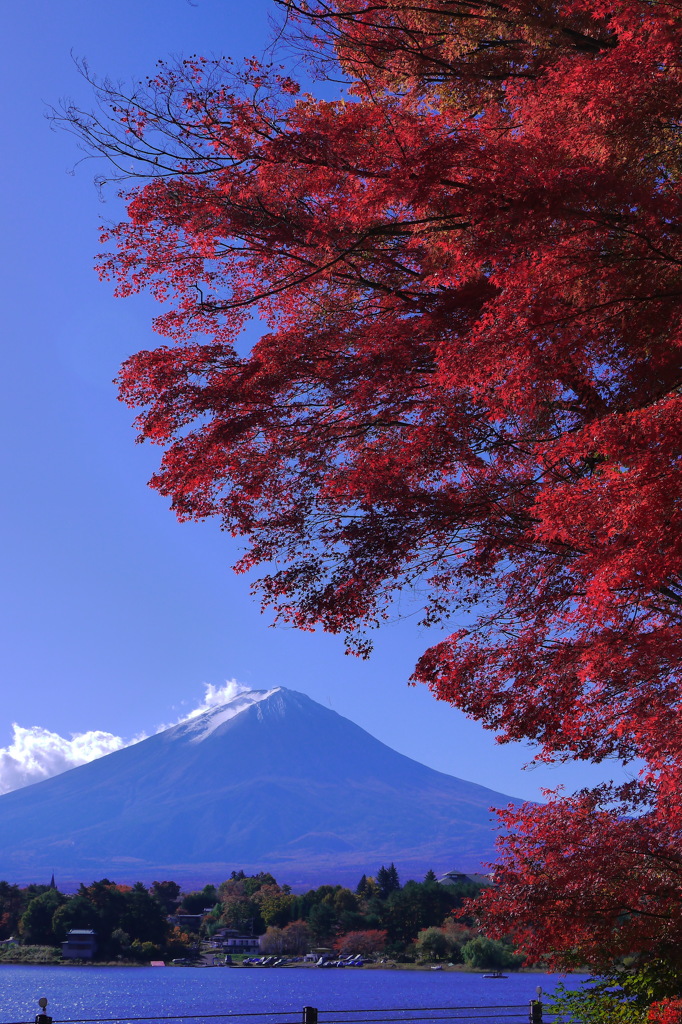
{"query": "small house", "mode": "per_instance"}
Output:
(241, 943)
(80, 944)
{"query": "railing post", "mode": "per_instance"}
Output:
(535, 1015)
(309, 1015)
(42, 1017)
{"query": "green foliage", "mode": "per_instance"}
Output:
(650, 981)
(119, 942)
(432, 944)
(30, 954)
(77, 912)
(623, 997)
(255, 882)
(193, 903)
(387, 881)
(120, 915)
(416, 906)
(596, 1005)
(345, 901)
(250, 902)
(491, 954)
(143, 917)
(274, 905)
(131, 921)
(402, 912)
(35, 925)
(144, 951)
(33, 890)
(322, 922)
(168, 894)
(459, 892)
(109, 903)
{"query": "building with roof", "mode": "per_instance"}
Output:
(80, 944)
(459, 877)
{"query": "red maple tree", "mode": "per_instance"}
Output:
(468, 268)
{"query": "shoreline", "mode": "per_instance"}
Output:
(440, 968)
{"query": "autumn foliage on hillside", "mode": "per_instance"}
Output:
(468, 272)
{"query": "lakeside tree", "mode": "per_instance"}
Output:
(419, 905)
(294, 938)
(144, 918)
(11, 909)
(366, 942)
(199, 900)
(297, 937)
(77, 912)
(250, 902)
(35, 925)
(432, 944)
(468, 270)
(273, 940)
(168, 894)
(322, 921)
(490, 953)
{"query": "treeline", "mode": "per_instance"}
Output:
(406, 922)
(380, 916)
(131, 922)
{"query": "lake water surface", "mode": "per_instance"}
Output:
(276, 996)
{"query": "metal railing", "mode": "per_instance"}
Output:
(529, 1013)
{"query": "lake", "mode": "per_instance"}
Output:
(273, 996)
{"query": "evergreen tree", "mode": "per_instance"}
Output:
(143, 917)
(167, 893)
(322, 922)
(387, 881)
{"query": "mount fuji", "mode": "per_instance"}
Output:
(270, 781)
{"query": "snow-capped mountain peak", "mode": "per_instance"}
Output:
(269, 780)
(201, 724)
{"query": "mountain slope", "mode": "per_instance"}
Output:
(271, 781)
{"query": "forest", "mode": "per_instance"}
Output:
(407, 923)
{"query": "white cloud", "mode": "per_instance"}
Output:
(35, 753)
(215, 696)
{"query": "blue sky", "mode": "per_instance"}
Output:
(115, 617)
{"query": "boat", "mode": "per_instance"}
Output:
(495, 975)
